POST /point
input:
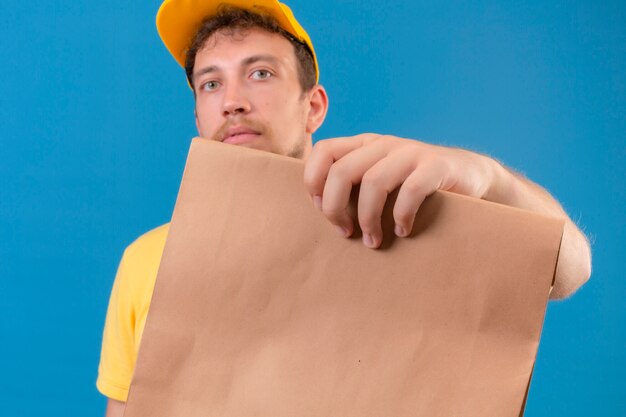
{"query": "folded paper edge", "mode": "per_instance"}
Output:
(530, 378)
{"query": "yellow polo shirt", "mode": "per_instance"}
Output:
(127, 312)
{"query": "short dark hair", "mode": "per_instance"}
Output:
(235, 19)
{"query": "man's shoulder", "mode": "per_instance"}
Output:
(147, 249)
(150, 240)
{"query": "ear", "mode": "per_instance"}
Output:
(318, 106)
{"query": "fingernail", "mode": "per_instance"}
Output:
(400, 231)
(368, 240)
(317, 202)
(342, 231)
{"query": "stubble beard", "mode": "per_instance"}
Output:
(298, 150)
(294, 150)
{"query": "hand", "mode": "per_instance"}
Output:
(380, 164)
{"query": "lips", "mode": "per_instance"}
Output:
(237, 135)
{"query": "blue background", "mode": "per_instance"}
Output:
(96, 118)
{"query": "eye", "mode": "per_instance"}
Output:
(209, 85)
(261, 74)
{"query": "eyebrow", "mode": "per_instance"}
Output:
(248, 61)
(256, 58)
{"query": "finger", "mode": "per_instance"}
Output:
(322, 157)
(342, 176)
(378, 182)
(324, 154)
(422, 182)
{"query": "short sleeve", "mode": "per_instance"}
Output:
(128, 309)
(117, 360)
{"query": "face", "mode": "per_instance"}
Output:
(248, 94)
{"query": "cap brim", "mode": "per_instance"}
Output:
(178, 20)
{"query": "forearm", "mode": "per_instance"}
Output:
(574, 263)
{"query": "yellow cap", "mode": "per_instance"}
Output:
(178, 20)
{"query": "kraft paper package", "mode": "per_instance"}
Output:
(261, 309)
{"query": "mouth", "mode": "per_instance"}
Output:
(238, 135)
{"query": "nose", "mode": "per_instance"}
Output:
(235, 101)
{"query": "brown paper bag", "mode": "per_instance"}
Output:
(261, 309)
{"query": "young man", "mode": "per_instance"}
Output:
(254, 76)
